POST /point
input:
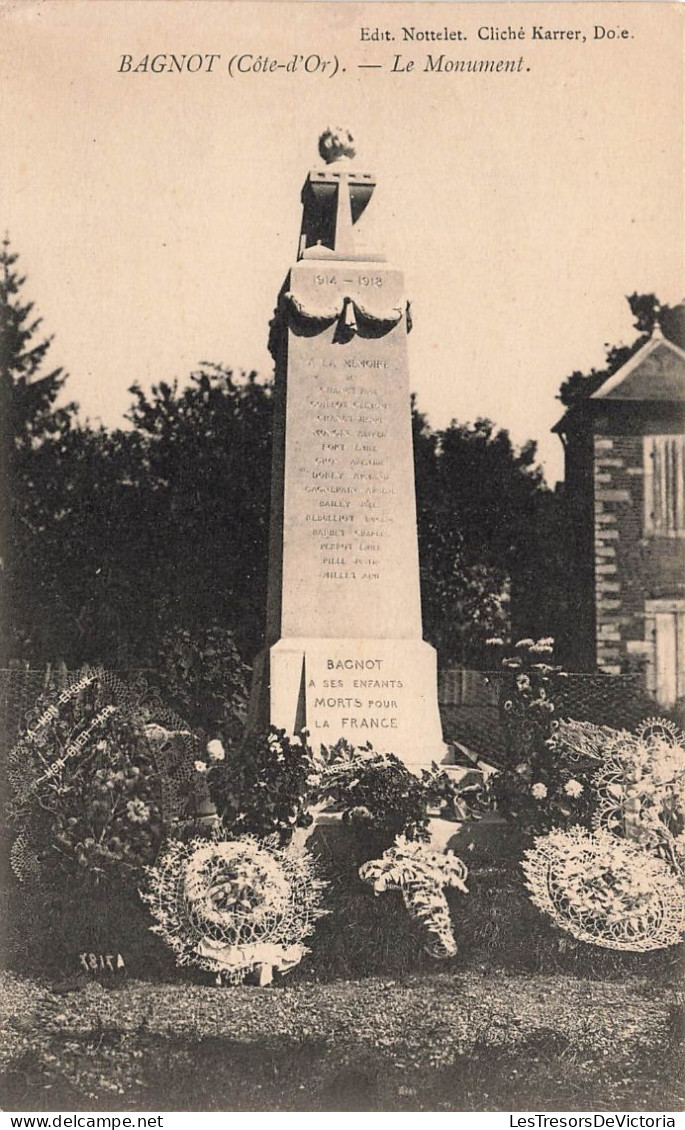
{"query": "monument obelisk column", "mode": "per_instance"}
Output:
(345, 656)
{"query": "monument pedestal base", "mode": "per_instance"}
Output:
(377, 691)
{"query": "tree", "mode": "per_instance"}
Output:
(92, 603)
(115, 537)
(204, 485)
(29, 396)
(479, 500)
(32, 428)
(67, 517)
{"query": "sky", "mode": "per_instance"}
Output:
(157, 214)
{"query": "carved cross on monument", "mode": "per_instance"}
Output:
(345, 656)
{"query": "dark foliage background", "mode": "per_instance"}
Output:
(134, 546)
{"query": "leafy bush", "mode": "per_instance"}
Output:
(203, 677)
(264, 785)
(539, 787)
(376, 790)
(272, 783)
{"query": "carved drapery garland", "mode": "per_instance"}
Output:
(351, 313)
(348, 311)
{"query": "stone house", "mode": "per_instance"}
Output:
(625, 495)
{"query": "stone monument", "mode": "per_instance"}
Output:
(345, 657)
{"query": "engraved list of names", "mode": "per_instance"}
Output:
(349, 547)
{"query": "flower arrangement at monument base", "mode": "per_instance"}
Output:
(96, 780)
(605, 891)
(640, 787)
(234, 907)
(378, 797)
(273, 783)
(347, 805)
(263, 785)
(621, 885)
(542, 785)
(421, 875)
(98, 818)
(638, 784)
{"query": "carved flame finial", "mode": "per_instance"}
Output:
(336, 143)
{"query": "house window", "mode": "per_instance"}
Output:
(664, 458)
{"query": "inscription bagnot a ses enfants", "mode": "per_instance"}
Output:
(345, 655)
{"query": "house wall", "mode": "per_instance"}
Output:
(576, 646)
(630, 566)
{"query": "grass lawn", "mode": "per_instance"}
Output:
(448, 1041)
(522, 1019)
